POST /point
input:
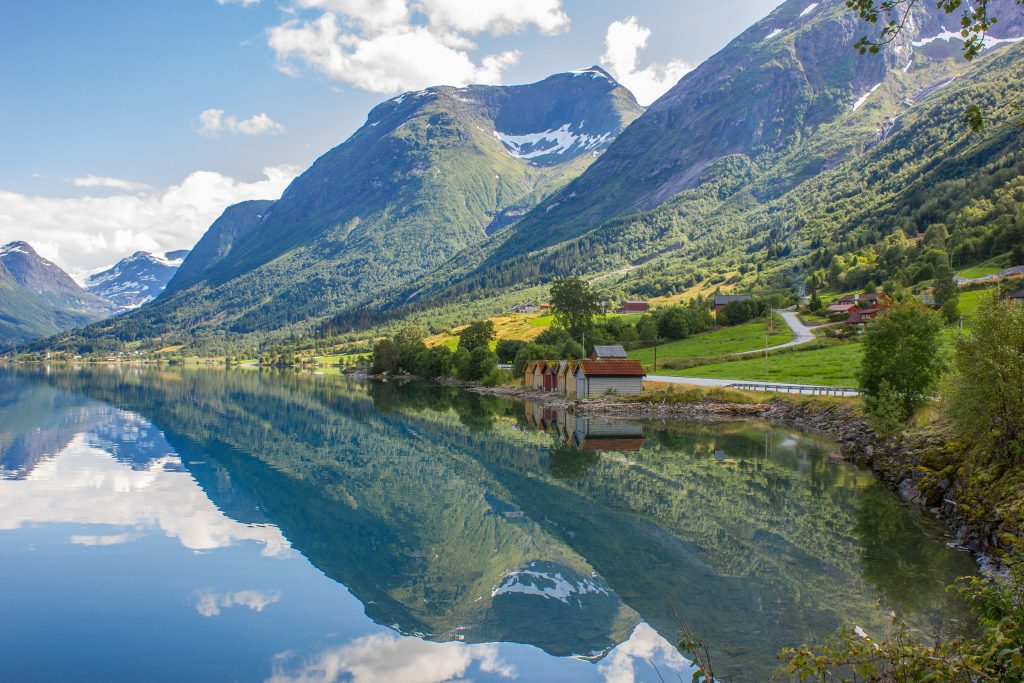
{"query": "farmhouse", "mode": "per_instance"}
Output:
(843, 307)
(722, 299)
(1016, 297)
(607, 352)
(634, 307)
(869, 299)
(596, 378)
(862, 316)
(846, 300)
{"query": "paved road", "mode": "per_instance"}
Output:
(752, 385)
(802, 334)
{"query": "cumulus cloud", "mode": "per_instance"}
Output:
(645, 647)
(387, 46)
(83, 484)
(386, 658)
(243, 3)
(210, 604)
(108, 182)
(82, 233)
(623, 43)
(213, 122)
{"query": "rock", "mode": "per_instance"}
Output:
(909, 492)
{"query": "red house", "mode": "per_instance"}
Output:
(843, 307)
(634, 307)
(861, 316)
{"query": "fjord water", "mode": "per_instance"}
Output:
(258, 526)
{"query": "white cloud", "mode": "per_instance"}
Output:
(623, 43)
(496, 16)
(243, 3)
(371, 15)
(82, 484)
(386, 658)
(82, 233)
(405, 58)
(387, 46)
(106, 181)
(646, 647)
(210, 604)
(213, 122)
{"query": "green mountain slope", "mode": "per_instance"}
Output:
(37, 298)
(428, 175)
(742, 164)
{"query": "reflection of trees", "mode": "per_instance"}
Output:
(755, 537)
(566, 462)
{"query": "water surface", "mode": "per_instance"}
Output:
(254, 526)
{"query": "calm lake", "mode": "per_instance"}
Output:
(261, 526)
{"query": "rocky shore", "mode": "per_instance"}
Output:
(909, 463)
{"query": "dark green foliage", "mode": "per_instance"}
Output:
(902, 362)
(434, 362)
(985, 394)
(739, 312)
(385, 357)
(506, 349)
(476, 364)
(574, 305)
(947, 294)
(477, 335)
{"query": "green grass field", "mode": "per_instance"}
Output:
(746, 337)
(829, 366)
(980, 271)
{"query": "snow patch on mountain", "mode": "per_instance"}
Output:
(947, 35)
(864, 98)
(135, 280)
(552, 586)
(557, 141)
(810, 8)
(774, 34)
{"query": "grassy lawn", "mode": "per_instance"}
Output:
(746, 337)
(830, 366)
(980, 271)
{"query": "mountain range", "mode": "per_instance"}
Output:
(137, 279)
(783, 153)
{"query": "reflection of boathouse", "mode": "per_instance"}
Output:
(592, 434)
(584, 433)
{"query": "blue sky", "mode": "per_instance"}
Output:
(101, 128)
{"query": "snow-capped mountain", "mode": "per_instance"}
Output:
(135, 280)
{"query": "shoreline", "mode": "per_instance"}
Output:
(894, 461)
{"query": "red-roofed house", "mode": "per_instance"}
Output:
(599, 377)
(862, 316)
(634, 307)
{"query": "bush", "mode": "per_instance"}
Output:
(385, 357)
(507, 349)
(434, 362)
(984, 396)
(901, 362)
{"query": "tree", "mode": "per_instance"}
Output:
(385, 357)
(507, 349)
(434, 362)
(984, 396)
(947, 294)
(574, 305)
(901, 361)
(477, 335)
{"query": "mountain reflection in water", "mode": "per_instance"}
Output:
(296, 527)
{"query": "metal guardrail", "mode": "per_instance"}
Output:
(795, 389)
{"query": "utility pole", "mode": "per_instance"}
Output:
(961, 324)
